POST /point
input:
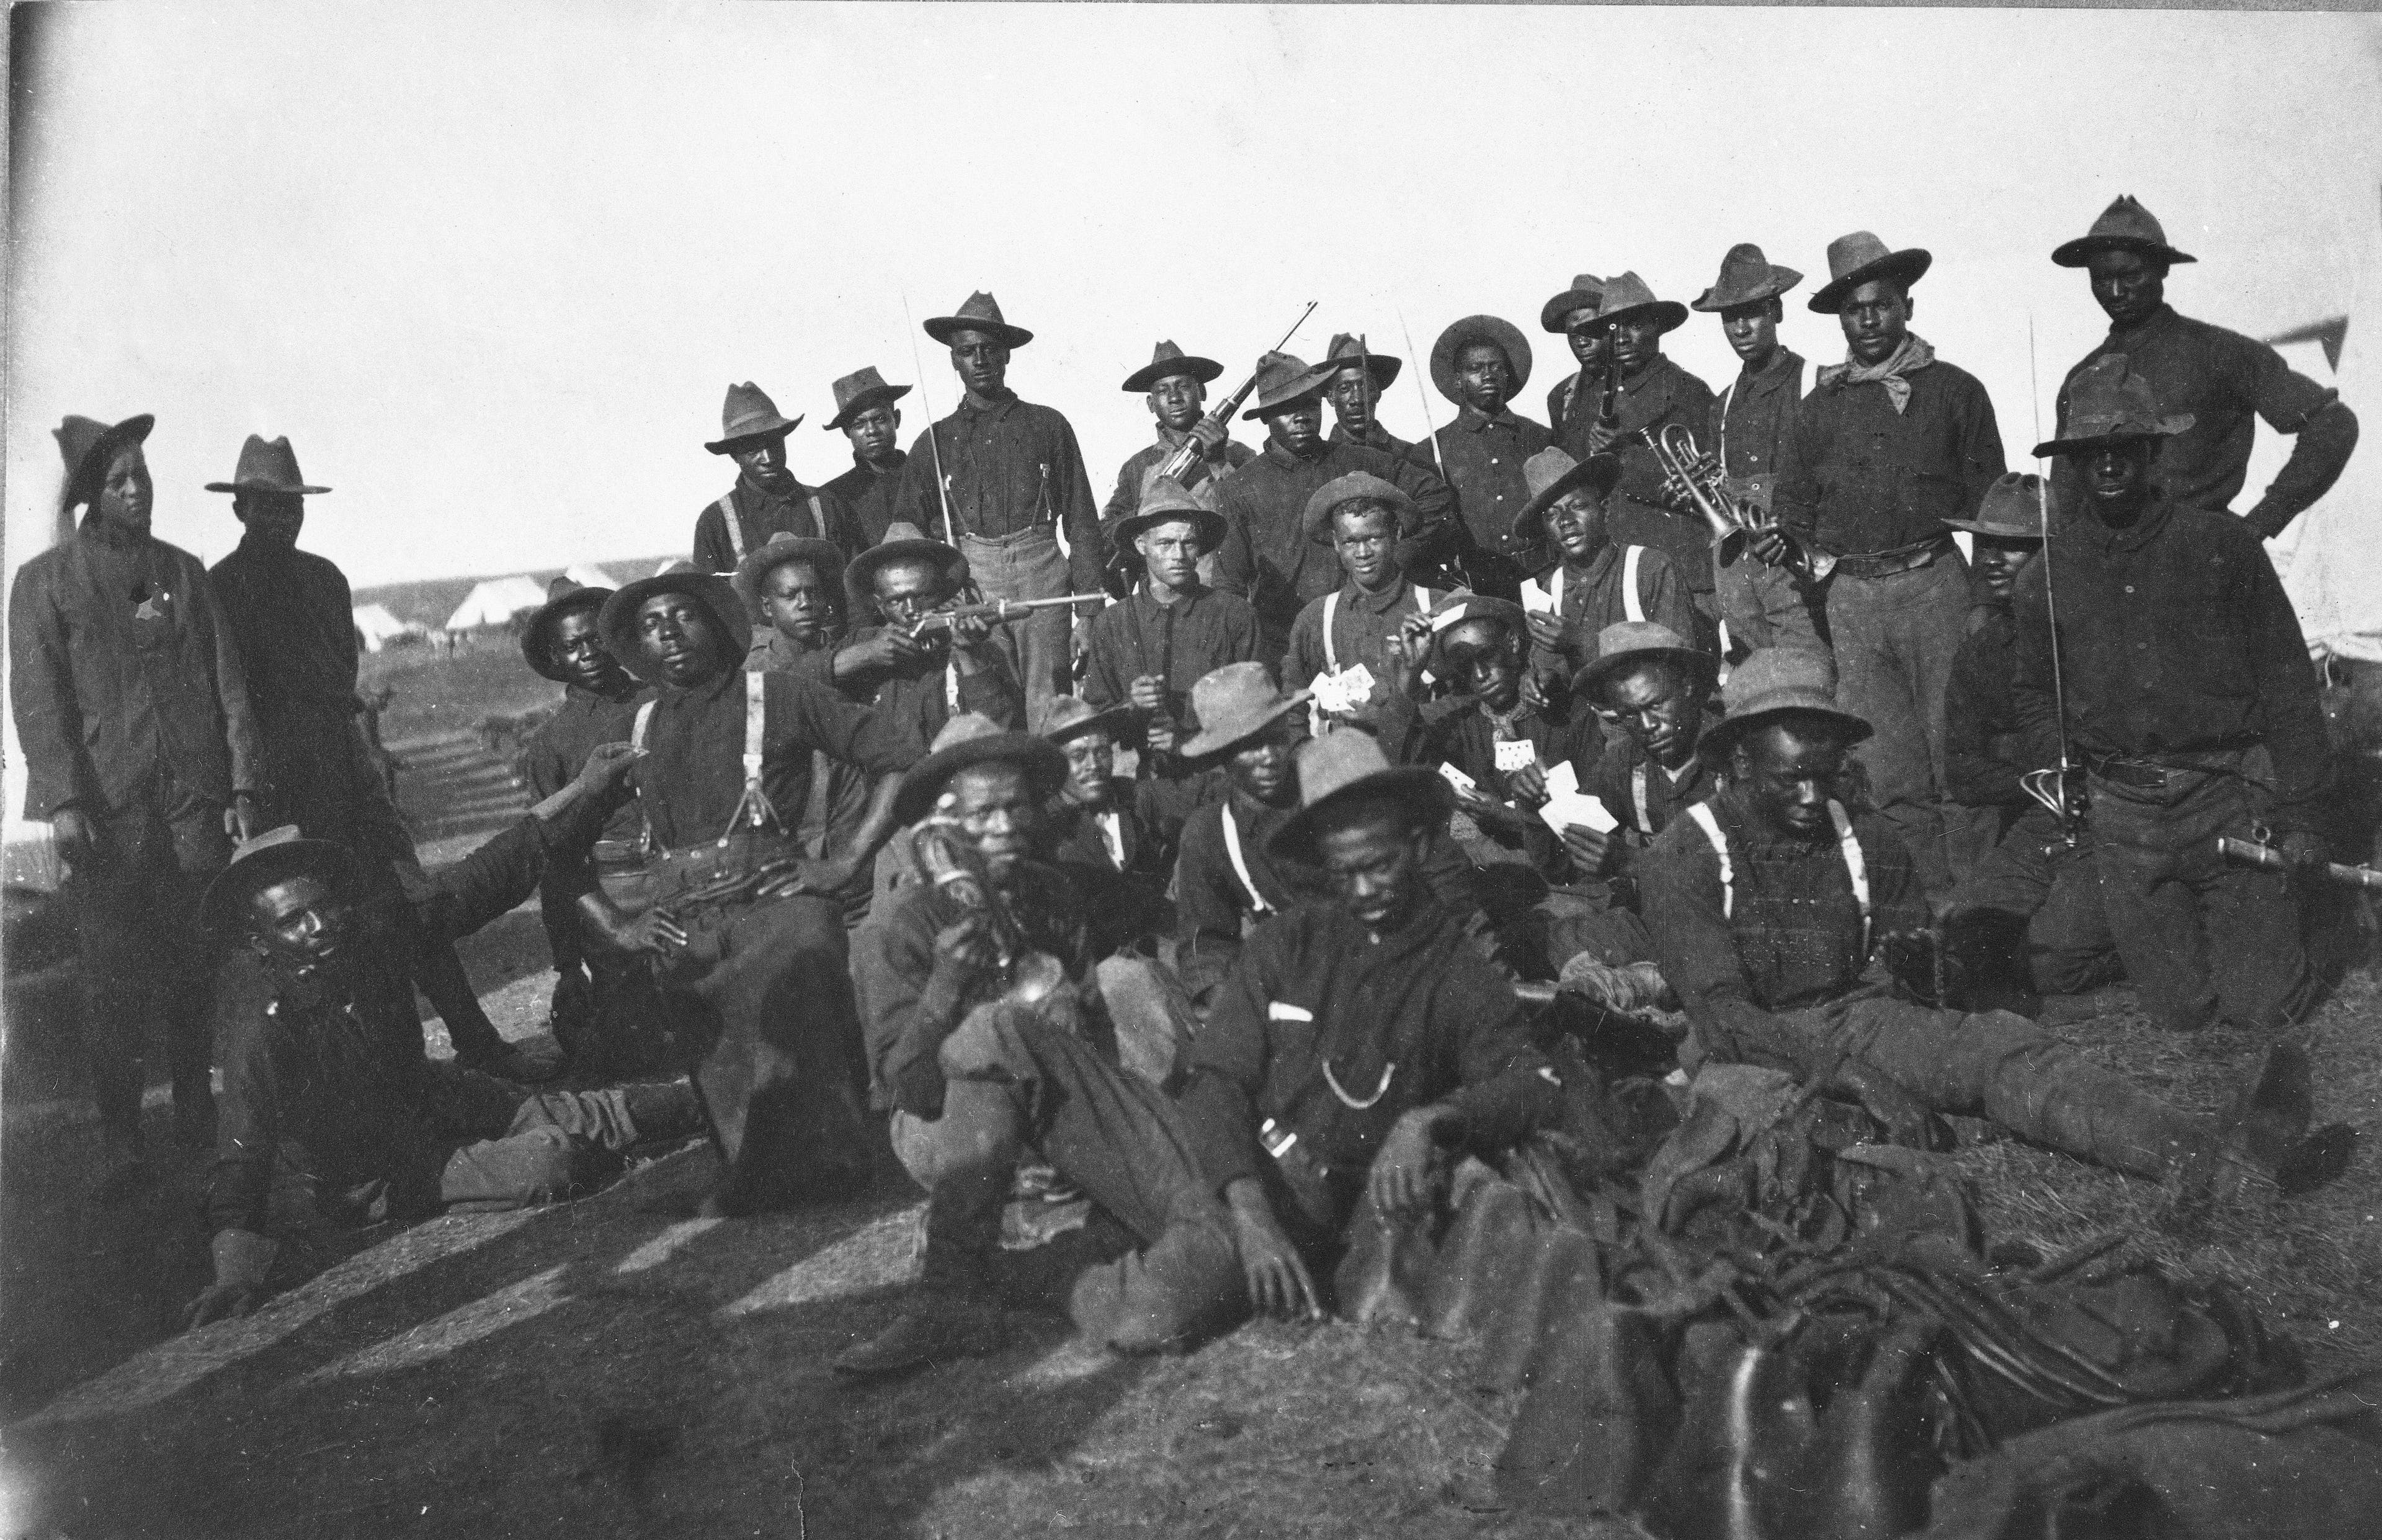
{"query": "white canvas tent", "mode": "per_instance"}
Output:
(588, 575)
(496, 602)
(378, 627)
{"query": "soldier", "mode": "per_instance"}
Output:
(1011, 478)
(1481, 363)
(922, 674)
(1760, 605)
(1101, 821)
(1176, 385)
(1351, 646)
(1268, 557)
(1357, 377)
(1658, 688)
(1888, 445)
(1356, 1039)
(1766, 904)
(2219, 379)
(1569, 315)
(767, 497)
(1595, 581)
(866, 413)
(142, 754)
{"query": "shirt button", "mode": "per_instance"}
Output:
(2129, 588)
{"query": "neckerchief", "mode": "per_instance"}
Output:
(1894, 373)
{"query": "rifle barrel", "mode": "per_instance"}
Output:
(2244, 852)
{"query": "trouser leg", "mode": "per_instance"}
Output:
(966, 1160)
(1153, 1016)
(1762, 605)
(2069, 946)
(1895, 640)
(107, 898)
(2042, 901)
(1036, 647)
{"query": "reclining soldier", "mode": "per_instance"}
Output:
(1357, 1041)
(1766, 903)
(996, 1032)
(330, 1056)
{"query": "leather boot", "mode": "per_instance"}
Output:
(955, 1313)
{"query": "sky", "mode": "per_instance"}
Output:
(492, 266)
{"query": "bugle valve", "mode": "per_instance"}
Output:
(1692, 476)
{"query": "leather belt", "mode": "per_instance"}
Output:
(1902, 558)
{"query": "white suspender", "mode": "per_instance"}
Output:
(1331, 609)
(727, 507)
(1728, 399)
(1637, 796)
(1240, 863)
(1855, 867)
(645, 721)
(819, 517)
(637, 732)
(951, 688)
(755, 720)
(1630, 604)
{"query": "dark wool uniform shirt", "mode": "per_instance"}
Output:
(919, 693)
(1751, 422)
(345, 1077)
(1416, 1016)
(1459, 732)
(1007, 468)
(1984, 752)
(760, 514)
(1483, 455)
(112, 704)
(870, 494)
(1642, 796)
(559, 749)
(1388, 443)
(1180, 644)
(1362, 627)
(1791, 937)
(1660, 395)
(1858, 477)
(1266, 558)
(1593, 597)
(2226, 381)
(1125, 501)
(1560, 402)
(294, 621)
(840, 792)
(2175, 636)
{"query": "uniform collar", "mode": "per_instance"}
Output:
(1654, 379)
(2134, 536)
(1288, 461)
(709, 690)
(1000, 407)
(898, 457)
(2158, 321)
(1785, 366)
(1399, 592)
(99, 533)
(1473, 419)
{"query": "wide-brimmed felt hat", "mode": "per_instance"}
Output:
(1552, 473)
(973, 739)
(1626, 643)
(747, 414)
(825, 557)
(1587, 292)
(1774, 682)
(1855, 259)
(981, 313)
(1341, 767)
(1316, 519)
(2011, 510)
(616, 623)
(903, 542)
(2107, 400)
(1071, 716)
(1461, 606)
(1347, 351)
(1166, 501)
(266, 468)
(1628, 296)
(1284, 379)
(1507, 338)
(563, 596)
(1746, 275)
(858, 391)
(276, 855)
(1234, 704)
(82, 440)
(1167, 359)
(2124, 226)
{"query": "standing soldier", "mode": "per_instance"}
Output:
(867, 415)
(765, 498)
(1567, 315)
(1760, 604)
(1481, 363)
(1176, 385)
(1889, 445)
(1012, 485)
(1357, 377)
(142, 755)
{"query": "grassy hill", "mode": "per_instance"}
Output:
(430, 601)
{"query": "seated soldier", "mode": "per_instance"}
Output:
(921, 671)
(1099, 821)
(746, 934)
(1591, 582)
(329, 1057)
(1349, 647)
(994, 1034)
(1767, 902)
(1150, 648)
(1357, 1040)
(1227, 878)
(1657, 688)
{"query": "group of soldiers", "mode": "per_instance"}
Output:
(1426, 738)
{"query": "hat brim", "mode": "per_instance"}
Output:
(874, 396)
(942, 328)
(2168, 427)
(1712, 299)
(1310, 384)
(1315, 517)
(2081, 251)
(1211, 741)
(1383, 368)
(1906, 267)
(728, 445)
(1721, 738)
(1479, 606)
(1994, 531)
(1113, 720)
(1202, 369)
(1423, 788)
(1045, 766)
(265, 487)
(228, 895)
(1506, 336)
(824, 555)
(1553, 313)
(534, 647)
(1669, 313)
(860, 572)
(616, 623)
(1589, 681)
(1603, 472)
(1213, 526)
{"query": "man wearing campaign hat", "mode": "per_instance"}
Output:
(1357, 377)
(2192, 705)
(767, 498)
(1175, 384)
(1481, 363)
(1148, 649)
(1658, 688)
(1767, 903)
(1354, 646)
(898, 660)
(2222, 380)
(142, 755)
(1888, 445)
(1101, 821)
(866, 414)
(1000, 479)
(1268, 557)
(1578, 303)
(1762, 605)
(1593, 581)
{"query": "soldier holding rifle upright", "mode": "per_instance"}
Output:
(1176, 385)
